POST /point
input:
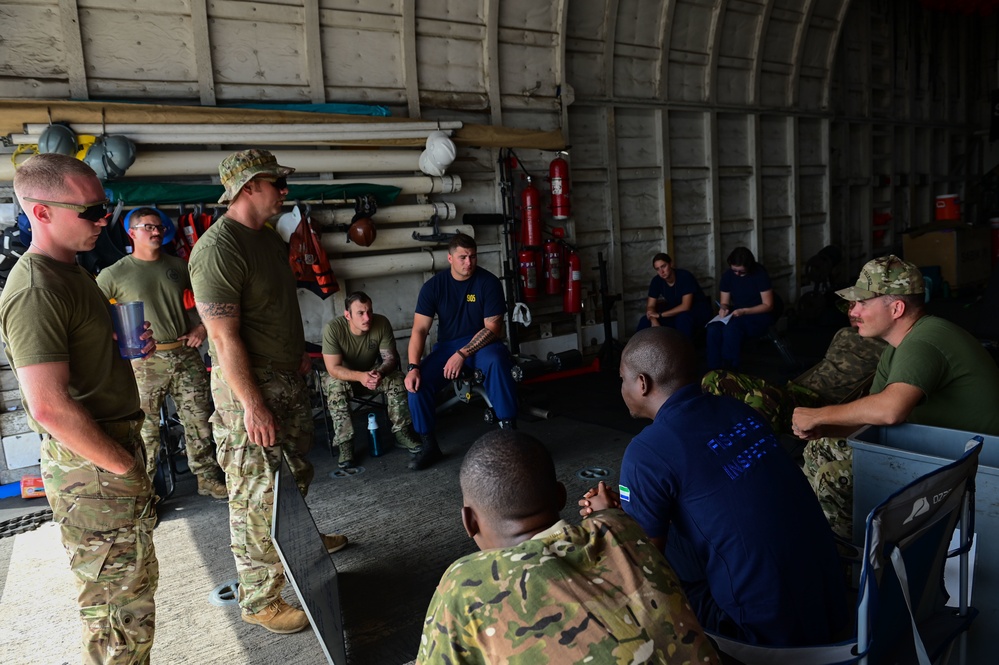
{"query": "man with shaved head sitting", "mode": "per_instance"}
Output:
(544, 591)
(712, 488)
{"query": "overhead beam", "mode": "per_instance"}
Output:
(761, 34)
(69, 19)
(203, 52)
(831, 53)
(714, 41)
(314, 52)
(410, 75)
(798, 51)
(665, 32)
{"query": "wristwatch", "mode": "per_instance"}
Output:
(411, 367)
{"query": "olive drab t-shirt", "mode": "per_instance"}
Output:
(959, 379)
(54, 312)
(237, 265)
(361, 353)
(158, 284)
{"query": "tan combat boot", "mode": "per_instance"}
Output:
(211, 487)
(278, 617)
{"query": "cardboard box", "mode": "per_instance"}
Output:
(963, 252)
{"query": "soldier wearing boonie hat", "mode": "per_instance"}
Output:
(240, 168)
(246, 295)
(885, 276)
(932, 372)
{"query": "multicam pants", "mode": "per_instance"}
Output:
(775, 404)
(249, 473)
(181, 373)
(338, 396)
(106, 523)
(829, 468)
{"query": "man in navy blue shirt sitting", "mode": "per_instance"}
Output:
(675, 299)
(469, 305)
(713, 489)
(746, 303)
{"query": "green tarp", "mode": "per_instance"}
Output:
(151, 193)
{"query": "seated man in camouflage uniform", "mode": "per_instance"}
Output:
(159, 281)
(555, 593)
(361, 358)
(931, 372)
(843, 373)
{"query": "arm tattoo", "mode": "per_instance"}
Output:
(389, 361)
(217, 310)
(481, 339)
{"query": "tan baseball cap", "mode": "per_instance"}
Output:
(885, 276)
(240, 168)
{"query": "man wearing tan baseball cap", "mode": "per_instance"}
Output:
(932, 372)
(245, 292)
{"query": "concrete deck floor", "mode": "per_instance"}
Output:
(404, 528)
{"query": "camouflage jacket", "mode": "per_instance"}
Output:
(596, 593)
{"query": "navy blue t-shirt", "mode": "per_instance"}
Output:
(461, 306)
(711, 469)
(745, 291)
(671, 296)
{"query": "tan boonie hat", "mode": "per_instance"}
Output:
(885, 276)
(240, 168)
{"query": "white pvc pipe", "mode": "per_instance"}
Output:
(364, 267)
(248, 138)
(97, 129)
(148, 164)
(388, 215)
(416, 184)
(335, 242)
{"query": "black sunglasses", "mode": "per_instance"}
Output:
(279, 183)
(92, 212)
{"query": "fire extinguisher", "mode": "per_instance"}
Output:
(528, 274)
(553, 268)
(530, 215)
(558, 175)
(572, 297)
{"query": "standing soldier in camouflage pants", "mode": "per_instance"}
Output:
(80, 395)
(361, 358)
(159, 281)
(245, 293)
(546, 591)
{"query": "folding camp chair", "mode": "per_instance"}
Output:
(901, 613)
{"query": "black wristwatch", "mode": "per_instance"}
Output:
(411, 367)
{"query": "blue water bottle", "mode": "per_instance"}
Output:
(373, 433)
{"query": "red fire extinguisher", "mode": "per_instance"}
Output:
(558, 174)
(572, 297)
(553, 268)
(530, 215)
(528, 274)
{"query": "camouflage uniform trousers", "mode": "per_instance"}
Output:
(106, 523)
(773, 403)
(249, 474)
(829, 468)
(338, 396)
(181, 373)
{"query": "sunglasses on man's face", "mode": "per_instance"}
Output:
(279, 183)
(92, 212)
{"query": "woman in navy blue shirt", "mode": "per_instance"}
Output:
(675, 299)
(747, 297)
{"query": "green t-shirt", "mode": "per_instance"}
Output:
(959, 378)
(235, 264)
(54, 312)
(158, 284)
(360, 352)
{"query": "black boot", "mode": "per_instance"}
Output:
(507, 423)
(429, 453)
